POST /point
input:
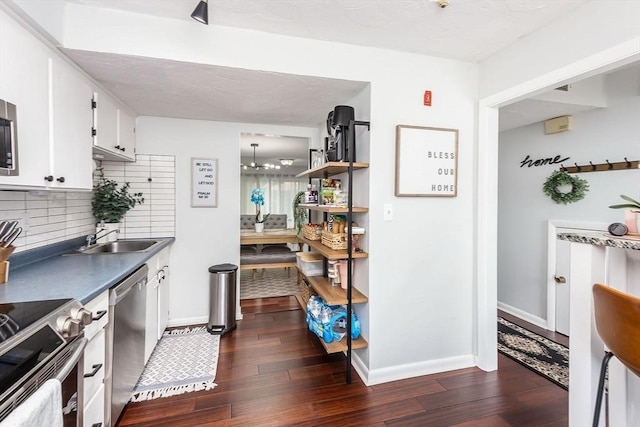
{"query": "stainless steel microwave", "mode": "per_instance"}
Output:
(8, 139)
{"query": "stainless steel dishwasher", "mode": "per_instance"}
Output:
(125, 339)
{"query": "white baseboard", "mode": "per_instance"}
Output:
(384, 375)
(527, 317)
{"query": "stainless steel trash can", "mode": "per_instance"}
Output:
(222, 298)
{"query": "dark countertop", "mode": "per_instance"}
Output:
(83, 277)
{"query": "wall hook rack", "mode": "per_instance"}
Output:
(600, 167)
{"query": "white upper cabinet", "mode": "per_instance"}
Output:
(72, 116)
(114, 130)
(54, 116)
(24, 81)
(127, 133)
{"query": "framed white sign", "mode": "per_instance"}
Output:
(426, 162)
(204, 183)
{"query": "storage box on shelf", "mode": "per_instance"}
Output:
(334, 241)
(309, 263)
(312, 231)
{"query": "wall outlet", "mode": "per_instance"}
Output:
(388, 212)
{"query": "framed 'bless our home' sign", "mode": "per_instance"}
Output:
(426, 162)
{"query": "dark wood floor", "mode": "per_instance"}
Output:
(273, 372)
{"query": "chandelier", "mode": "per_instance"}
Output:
(254, 165)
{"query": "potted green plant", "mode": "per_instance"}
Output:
(632, 213)
(299, 215)
(111, 201)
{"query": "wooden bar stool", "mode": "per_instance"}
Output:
(617, 316)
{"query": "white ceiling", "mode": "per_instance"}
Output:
(468, 30)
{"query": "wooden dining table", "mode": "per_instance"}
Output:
(251, 237)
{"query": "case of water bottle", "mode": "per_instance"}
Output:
(329, 322)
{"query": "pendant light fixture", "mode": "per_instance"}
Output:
(201, 12)
(254, 165)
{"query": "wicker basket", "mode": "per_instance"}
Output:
(335, 241)
(306, 290)
(312, 233)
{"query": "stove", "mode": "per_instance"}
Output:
(34, 336)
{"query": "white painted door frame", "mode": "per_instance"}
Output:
(487, 182)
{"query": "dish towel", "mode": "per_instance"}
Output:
(42, 408)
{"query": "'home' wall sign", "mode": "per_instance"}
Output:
(528, 162)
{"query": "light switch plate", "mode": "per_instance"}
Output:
(388, 212)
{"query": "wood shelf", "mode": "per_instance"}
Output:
(339, 346)
(334, 295)
(332, 209)
(329, 253)
(336, 346)
(331, 168)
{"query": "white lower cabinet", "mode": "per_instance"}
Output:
(157, 310)
(163, 299)
(93, 372)
(93, 414)
(151, 323)
(93, 365)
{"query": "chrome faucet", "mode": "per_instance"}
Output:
(92, 239)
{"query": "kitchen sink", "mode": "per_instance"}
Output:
(118, 247)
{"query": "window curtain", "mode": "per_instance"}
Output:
(278, 189)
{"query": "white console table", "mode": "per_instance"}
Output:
(597, 257)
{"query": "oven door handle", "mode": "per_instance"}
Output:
(81, 343)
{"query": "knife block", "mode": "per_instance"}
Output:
(4, 272)
(4, 264)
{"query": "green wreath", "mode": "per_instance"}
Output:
(557, 178)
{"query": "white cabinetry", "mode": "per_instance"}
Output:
(53, 112)
(157, 310)
(71, 166)
(93, 365)
(113, 130)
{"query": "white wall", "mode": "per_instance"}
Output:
(599, 135)
(204, 236)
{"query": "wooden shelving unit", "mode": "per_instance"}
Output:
(330, 294)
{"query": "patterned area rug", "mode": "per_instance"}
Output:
(183, 361)
(541, 355)
(275, 284)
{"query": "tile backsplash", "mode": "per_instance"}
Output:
(49, 217)
(154, 177)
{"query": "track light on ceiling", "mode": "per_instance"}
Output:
(286, 162)
(201, 12)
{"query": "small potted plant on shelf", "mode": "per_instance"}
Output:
(110, 203)
(632, 214)
(299, 215)
(257, 198)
